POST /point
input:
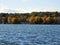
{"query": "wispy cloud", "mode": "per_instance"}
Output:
(24, 0)
(38, 9)
(3, 7)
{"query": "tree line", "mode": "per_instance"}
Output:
(30, 18)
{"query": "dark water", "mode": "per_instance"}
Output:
(29, 34)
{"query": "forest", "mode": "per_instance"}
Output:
(30, 18)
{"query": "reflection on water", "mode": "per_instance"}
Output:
(29, 34)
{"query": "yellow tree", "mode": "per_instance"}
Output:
(9, 19)
(48, 19)
(13, 19)
(30, 19)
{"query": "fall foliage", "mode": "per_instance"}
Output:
(30, 18)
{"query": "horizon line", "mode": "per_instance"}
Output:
(30, 12)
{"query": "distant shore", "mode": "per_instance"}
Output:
(30, 18)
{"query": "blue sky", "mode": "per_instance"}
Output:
(23, 6)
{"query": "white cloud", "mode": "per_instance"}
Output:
(47, 8)
(38, 9)
(24, 0)
(4, 8)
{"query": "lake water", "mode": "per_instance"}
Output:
(25, 34)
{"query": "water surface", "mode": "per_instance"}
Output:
(25, 34)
